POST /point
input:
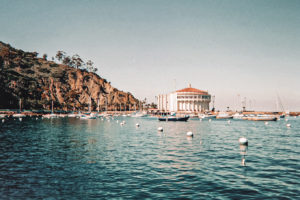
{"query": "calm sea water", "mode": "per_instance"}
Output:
(93, 159)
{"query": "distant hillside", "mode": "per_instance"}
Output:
(38, 82)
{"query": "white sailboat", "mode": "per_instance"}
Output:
(89, 115)
(52, 115)
(19, 115)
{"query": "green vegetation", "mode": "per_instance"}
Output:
(75, 61)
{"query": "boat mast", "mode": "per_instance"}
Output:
(90, 104)
(98, 103)
(106, 105)
(20, 105)
(52, 107)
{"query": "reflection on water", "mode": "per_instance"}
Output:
(92, 159)
(243, 149)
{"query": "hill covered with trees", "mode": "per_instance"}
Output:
(70, 85)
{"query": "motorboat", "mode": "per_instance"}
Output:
(223, 115)
(88, 116)
(206, 116)
(174, 118)
(139, 114)
(2, 116)
(52, 115)
(19, 115)
(263, 118)
(238, 116)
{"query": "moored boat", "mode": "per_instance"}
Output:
(206, 116)
(174, 118)
(223, 115)
(263, 118)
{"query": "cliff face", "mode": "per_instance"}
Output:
(39, 82)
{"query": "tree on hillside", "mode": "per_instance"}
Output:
(60, 55)
(77, 61)
(45, 56)
(67, 61)
(89, 65)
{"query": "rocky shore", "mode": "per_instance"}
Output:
(38, 82)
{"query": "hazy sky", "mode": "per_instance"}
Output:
(250, 48)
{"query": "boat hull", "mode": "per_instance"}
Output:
(262, 119)
(174, 119)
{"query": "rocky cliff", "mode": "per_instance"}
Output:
(38, 82)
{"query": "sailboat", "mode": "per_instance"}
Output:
(89, 115)
(141, 113)
(52, 115)
(20, 108)
(279, 103)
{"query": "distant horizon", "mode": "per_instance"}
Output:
(230, 48)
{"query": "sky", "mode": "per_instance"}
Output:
(234, 48)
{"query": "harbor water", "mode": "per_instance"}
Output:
(70, 158)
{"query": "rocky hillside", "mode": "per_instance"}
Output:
(38, 82)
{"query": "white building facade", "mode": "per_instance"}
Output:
(187, 100)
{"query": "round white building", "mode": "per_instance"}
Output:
(186, 100)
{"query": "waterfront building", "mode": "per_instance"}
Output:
(186, 100)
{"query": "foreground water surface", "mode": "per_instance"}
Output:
(69, 158)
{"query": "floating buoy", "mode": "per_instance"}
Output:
(228, 121)
(20, 119)
(200, 120)
(124, 122)
(243, 141)
(288, 125)
(121, 123)
(278, 119)
(209, 120)
(295, 116)
(266, 123)
(3, 120)
(160, 129)
(137, 125)
(190, 134)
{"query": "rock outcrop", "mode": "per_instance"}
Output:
(38, 82)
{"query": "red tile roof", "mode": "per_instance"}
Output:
(190, 89)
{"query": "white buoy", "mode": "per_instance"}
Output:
(124, 122)
(121, 123)
(190, 134)
(209, 120)
(266, 123)
(228, 121)
(137, 125)
(3, 120)
(288, 125)
(20, 119)
(160, 129)
(243, 141)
